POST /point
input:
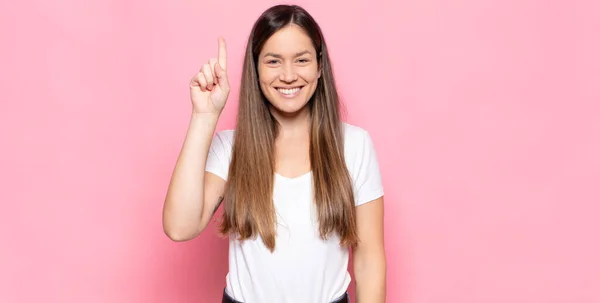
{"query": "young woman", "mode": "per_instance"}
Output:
(299, 186)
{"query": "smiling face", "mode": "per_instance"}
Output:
(288, 70)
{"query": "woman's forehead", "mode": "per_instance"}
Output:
(288, 41)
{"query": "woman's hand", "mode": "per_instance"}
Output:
(209, 88)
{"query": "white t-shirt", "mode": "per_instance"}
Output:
(303, 268)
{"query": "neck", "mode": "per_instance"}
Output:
(293, 125)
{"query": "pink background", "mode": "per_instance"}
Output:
(485, 115)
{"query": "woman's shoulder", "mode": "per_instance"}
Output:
(226, 134)
(361, 160)
(223, 141)
(357, 142)
(354, 134)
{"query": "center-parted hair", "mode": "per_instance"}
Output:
(248, 199)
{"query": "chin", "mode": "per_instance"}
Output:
(288, 109)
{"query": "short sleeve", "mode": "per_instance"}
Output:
(368, 184)
(219, 154)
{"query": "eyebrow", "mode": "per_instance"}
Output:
(280, 57)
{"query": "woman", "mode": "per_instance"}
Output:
(300, 187)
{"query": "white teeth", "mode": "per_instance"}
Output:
(288, 91)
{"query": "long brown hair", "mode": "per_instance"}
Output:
(248, 206)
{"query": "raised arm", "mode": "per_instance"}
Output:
(193, 194)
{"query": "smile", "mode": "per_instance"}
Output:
(289, 92)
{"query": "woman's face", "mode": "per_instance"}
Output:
(288, 71)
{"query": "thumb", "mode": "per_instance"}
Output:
(221, 76)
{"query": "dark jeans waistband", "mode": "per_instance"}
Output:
(227, 299)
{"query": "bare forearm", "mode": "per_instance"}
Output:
(184, 201)
(370, 275)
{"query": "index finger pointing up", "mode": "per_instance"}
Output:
(222, 53)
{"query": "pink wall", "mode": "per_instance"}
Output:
(485, 115)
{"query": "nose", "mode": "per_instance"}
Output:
(288, 74)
